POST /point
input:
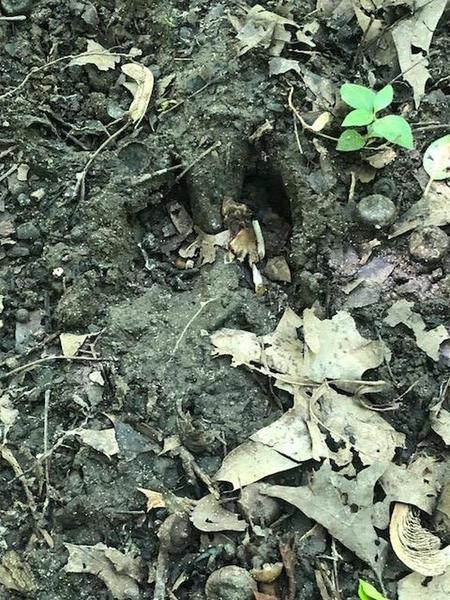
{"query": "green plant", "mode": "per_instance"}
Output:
(367, 104)
(366, 591)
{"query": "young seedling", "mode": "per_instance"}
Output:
(367, 104)
(366, 591)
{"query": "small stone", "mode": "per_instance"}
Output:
(230, 583)
(22, 315)
(23, 200)
(28, 231)
(428, 244)
(16, 7)
(18, 251)
(259, 508)
(377, 210)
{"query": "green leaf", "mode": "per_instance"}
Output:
(358, 117)
(383, 98)
(436, 160)
(394, 129)
(350, 140)
(366, 591)
(357, 96)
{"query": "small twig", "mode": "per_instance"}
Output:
(9, 457)
(81, 177)
(351, 191)
(147, 176)
(431, 127)
(9, 172)
(14, 18)
(189, 323)
(46, 359)
(297, 137)
(302, 120)
(197, 160)
(336, 557)
(46, 461)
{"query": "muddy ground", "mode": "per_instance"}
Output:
(106, 263)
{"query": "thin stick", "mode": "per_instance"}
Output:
(297, 137)
(81, 177)
(197, 160)
(147, 176)
(46, 359)
(303, 122)
(15, 18)
(189, 323)
(46, 461)
(9, 172)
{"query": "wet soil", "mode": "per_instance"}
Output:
(107, 264)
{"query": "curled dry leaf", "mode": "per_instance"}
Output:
(268, 573)
(154, 499)
(244, 245)
(15, 574)
(96, 55)
(436, 160)
(382, 158)
(210, 516)
(414, 545)
(120, 572)
(321, 122)
(206, 244)
(144, 80)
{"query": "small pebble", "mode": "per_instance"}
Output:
(230, 583)
(428, 244)
(18, 251)
(16, 7)
(377, 210)
(22, 315)
(28, 231)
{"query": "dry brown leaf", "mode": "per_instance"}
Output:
(154, 499)
(428, 341)
(120, 572)
(206, 244)
(440, 423)
(250, 462)
(372, 28)
(102, 440)
(244, 245)
(210, 516)
(415, 33)
(277, 269)
(71, 343)
(344, 506)
(382, 158)
(262, 28)
(434, 209)
(144, 80)
(268, 573)
(96, 55)
(417, 587)
(415, 546)
(15, 574)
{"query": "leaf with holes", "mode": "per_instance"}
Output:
(436, 160)
(358, 117)
(358, 96)
(350, 140)
(383, 98)
(395, 129)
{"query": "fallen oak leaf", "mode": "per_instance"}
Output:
(210, 516)
(96, 55)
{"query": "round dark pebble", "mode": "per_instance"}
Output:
(376, 210)
(428, 244)
(22, 315)
(16, 7)
(28, 231)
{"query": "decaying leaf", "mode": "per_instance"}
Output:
(440, 423)
(277, 269)
(15, 574)
(278, 66)
(96, 55)
(434, 209)
(206, 244)
(436, 160)
(417, 484)
(415, 546)
(102, 440)
(250, 462)
(71, 343)
(154, 499)
(382, 158)
(428, 341)
(120, 572)
(244, 245)
(8, 414)
(334, 349)
(417, 587)
(144, 80)
(343, 505)
(268, 573)
(416, 33)
(210, 516)
(262, 28)
(371, 27)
